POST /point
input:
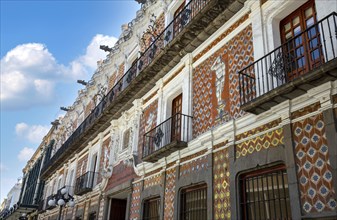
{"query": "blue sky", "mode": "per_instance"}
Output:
(45, 47)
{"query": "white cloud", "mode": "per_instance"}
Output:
(93, 53)
(5, 186)
(30, 73)
(2, 167)
(33, 133)
(25, 154)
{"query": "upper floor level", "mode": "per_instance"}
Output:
(173, 28)
(208, 85)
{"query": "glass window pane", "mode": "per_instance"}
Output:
(299, 52)
(308, 12)
(310, 22)
(194, 203)
(289, 35)
(297, 30)
(298, 41)
(296, 21)
(315, 54)
(287, 27)
(270, 195)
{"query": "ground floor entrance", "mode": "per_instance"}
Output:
(117, 209)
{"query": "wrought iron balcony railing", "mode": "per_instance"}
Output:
(295, 59)
(169, 136)
(85, 183)
(177, 39)
(42, 206)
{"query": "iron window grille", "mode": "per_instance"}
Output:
(151, 209)
(265, 194)
(193, 203)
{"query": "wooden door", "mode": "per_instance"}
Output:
(117, 209)
(177, 104)
(302, 50)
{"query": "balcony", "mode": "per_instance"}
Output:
(171, 135)
(197, 21)
(85, 183)
(42, 205)
(302, 63)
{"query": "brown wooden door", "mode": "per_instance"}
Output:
(177, 104)
(117, 209)
(302, 51)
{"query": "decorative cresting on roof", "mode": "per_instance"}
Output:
(141, 1)
(154, 58)
(128, 29)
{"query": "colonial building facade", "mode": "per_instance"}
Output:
(205, 109)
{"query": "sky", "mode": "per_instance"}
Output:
(46, 46)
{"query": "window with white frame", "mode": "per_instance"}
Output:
(126, 139)
(93, 169)
(59, 183)
(70, 181)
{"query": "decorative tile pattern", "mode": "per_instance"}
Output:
(169, 194)
(194, 166)
(221, 185)
(222, 36)
(81, 166)
(147, 121)
(190, 157)
(120, 72)
(89, 108)
(112, 80)
(153, 180)
(135, 202)
(217, 146)
(264, 141)
(313, 166)
(257, 130)
(122, 173)
(214, 104)
(306, 110)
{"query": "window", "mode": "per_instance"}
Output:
(126, 139)
(178, 24)
(71, 177)
(59, 183)
(92, 175)
(151, 209)
(176, 117)
(265, 194)
(302, 49)
(92, 216)
(193, 203)
(70, 182)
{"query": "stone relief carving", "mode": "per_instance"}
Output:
(219, 68)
